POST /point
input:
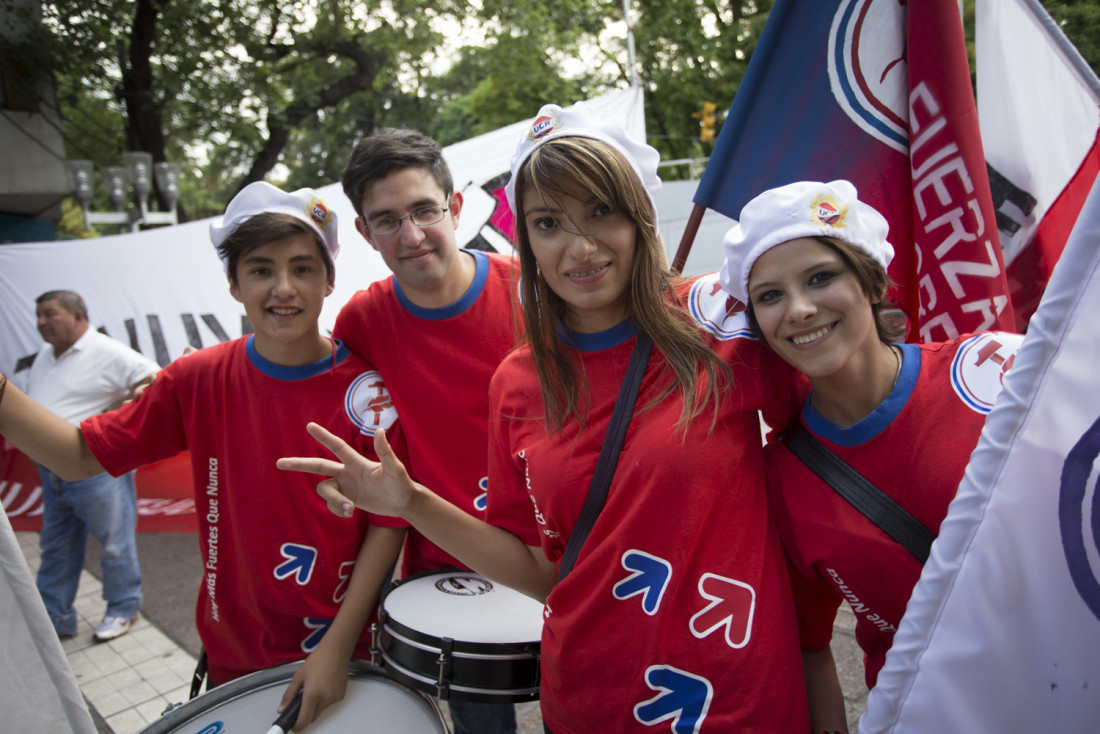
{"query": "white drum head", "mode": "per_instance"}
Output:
(374, 703)
(466, 606)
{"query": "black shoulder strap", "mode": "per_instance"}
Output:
(609, 452)
(875, 504)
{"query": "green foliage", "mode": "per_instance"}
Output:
(1080, 21)
(691, 51)
(71, 225)
(239, 90)
(490, 86)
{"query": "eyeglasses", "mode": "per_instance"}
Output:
(425, 217)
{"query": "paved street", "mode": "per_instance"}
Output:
(129, 681)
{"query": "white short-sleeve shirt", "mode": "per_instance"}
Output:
(94, 374)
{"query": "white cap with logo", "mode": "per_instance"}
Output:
(261, 197)
(579, 120)
(801, 209)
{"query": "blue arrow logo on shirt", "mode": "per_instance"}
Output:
(319, 627)
(682, 698)
(300, 560)
(649, 577)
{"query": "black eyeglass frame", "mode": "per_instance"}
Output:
(411, 216)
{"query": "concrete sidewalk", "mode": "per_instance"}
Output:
(129, 681)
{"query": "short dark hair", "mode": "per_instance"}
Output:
(69, 300)
(262, 228)
(392, 149)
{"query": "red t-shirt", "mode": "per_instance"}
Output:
(437, 364)
(276, 561)
(915, 448)
(679, 605)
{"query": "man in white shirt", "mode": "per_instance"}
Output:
(80, 372)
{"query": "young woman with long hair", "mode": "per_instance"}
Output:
(677, 608)
(810, 261)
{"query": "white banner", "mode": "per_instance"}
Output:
(1039, 112)
(1002, 633)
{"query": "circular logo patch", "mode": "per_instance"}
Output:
(979, 368)
(1074, 505)
(368, 403)
(464, 585)
(717, 311)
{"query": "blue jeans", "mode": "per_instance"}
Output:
(483, 718)
(106, 507)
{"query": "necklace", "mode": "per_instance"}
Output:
(897, 373)
(897, 354)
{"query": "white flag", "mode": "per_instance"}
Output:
(1039, 113)
(1002, 633)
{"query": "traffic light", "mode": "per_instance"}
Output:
(706, 121)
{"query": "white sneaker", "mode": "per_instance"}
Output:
(112, 627)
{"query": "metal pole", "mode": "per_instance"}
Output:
(690, 230)
(635, 80)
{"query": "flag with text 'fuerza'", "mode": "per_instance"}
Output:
(877, 92)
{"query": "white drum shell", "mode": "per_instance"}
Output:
(374, 702)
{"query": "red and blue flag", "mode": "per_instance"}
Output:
(877, 92)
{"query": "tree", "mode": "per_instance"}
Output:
(511, 80)
(238, 90)
(691, 52)
(1080, 21)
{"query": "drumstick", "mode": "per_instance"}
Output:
(287, 718)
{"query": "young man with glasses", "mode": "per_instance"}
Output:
(436, 331)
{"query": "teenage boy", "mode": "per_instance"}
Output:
(277, 563)
(436, 331)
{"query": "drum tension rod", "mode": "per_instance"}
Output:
(443, 685)
(375, 650)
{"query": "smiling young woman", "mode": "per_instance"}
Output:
(678, 604)
(809, 260)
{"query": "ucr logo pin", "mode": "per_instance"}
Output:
(318, 212)
(541, 127)
(826, 212)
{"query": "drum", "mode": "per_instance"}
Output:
(457, 635)
(374, 702)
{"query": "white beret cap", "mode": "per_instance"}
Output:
(802, 209)
(581, 121)
(261, 197)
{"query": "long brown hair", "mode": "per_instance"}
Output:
(588, 168)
